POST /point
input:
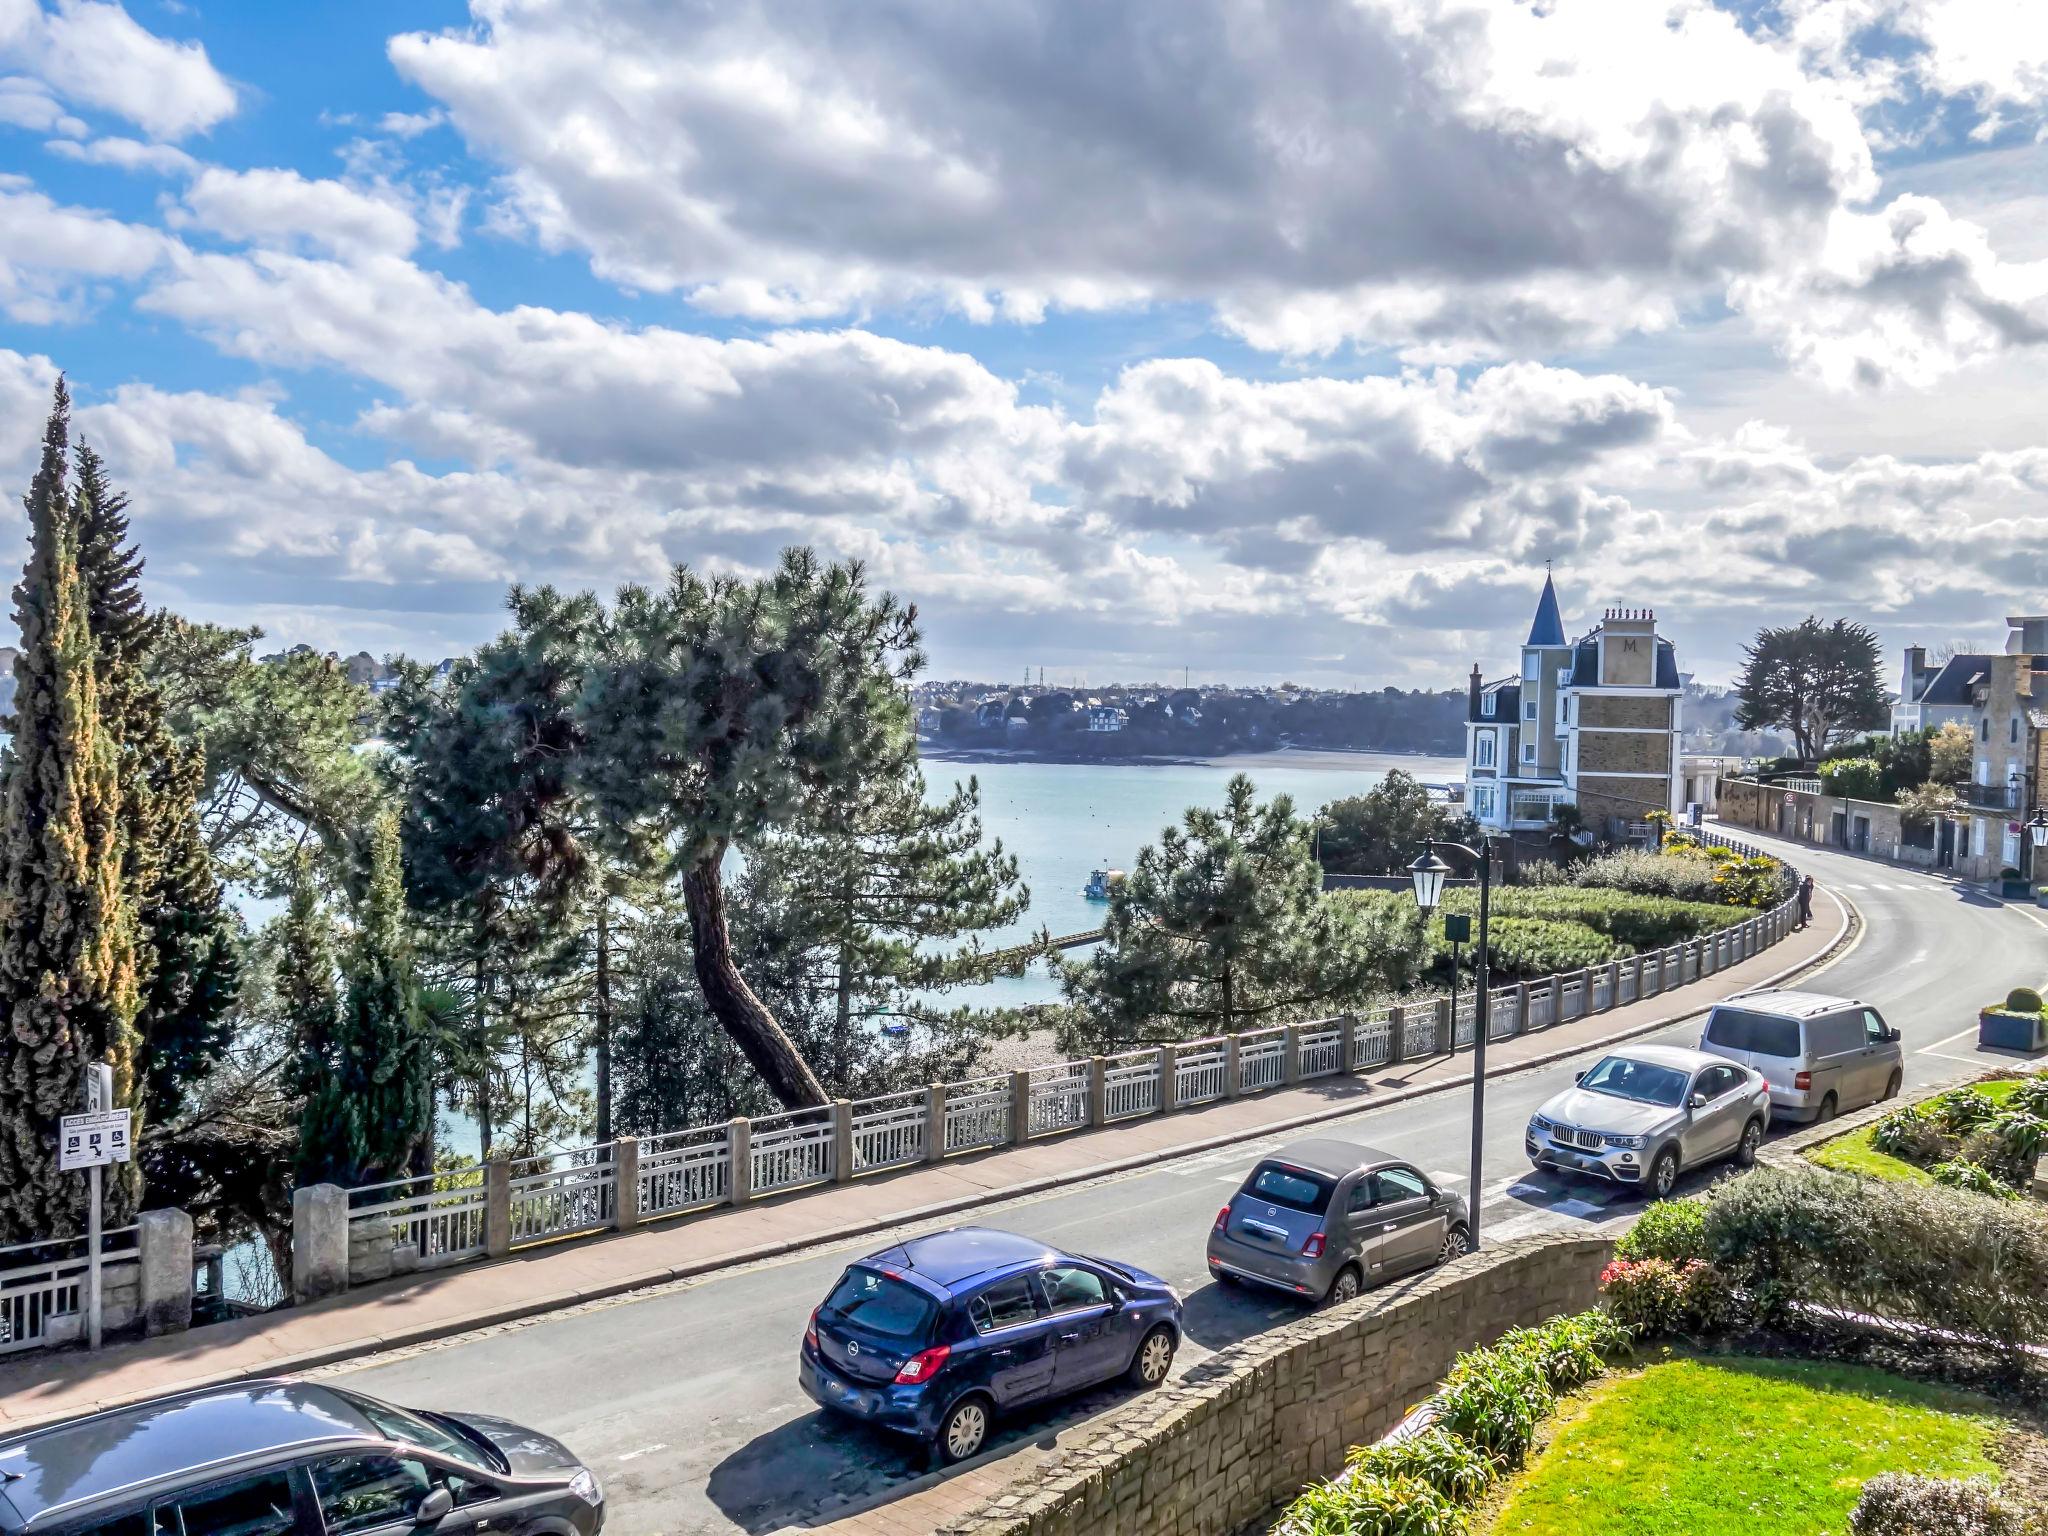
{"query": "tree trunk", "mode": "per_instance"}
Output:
(604, 1021)
(732, 1002)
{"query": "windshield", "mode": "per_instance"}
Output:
(402, 1424)
(1761, 1034)
(880, 1303)
(1642, 1082)
(1295, 1188)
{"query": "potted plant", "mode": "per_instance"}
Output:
(2020, 1023)
(2012, 883)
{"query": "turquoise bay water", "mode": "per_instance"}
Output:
(1063, 820)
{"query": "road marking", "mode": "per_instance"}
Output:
(1449, 1178)
(1929, 1050)
(645, 1450)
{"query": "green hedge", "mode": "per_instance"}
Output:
(1916, 1253)
(1533, 946)
(1628, 917)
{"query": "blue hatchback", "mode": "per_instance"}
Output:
(936, 1336)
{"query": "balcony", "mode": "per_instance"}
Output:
(1992, 797)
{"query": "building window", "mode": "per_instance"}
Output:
(1482, 751)
(1532, 665)
(2015, 728)
(1486, 704)
(1529, 710)
(1529, 752)
(1984, 729)
(1482, 802)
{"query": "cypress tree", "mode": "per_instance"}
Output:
(186, 961)
(331, 1142)
(67, 950)
(384, 1051)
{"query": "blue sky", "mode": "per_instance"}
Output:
(1268, 340)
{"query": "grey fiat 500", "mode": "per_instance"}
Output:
(1324, 1219)
(1639, 1115)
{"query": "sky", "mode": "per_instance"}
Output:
(1258, 339)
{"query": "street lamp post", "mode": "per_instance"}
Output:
(2037, 829)
(1428, 872)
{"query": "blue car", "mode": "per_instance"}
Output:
(936, 1336)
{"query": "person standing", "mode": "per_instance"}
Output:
(1805, 902)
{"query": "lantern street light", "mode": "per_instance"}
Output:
(1428, 872)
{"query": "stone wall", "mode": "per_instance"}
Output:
(1244, 1431)
(1625, 711)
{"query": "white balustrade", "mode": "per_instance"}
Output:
(1130, 1085)
(560, 1193)
(1198, 1074)
(790, 1150)
(1372, 1041)
(685, 1170)
(888, 1131)
(977, 1113)
(1322, 1049)
(441, 1215)
(1261, 1060)
(1058, 1097)
(42, 1287)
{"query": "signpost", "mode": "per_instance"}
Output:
(91, 1141)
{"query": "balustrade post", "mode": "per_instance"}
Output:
(1098, 1091)
(1020, 1107)
(163, 1245)
(1169, 1079)
(1397, 1037)
(626, 1192)
(319, 1242)
(842, 1141)
(1585, 993)
(1446, 1026)
(1521, 1014)
(1637, 963)
(1556, 998)
(497, 1207)
(739, 1168)
(1290, 1055)
(1230, 1072)
(934, 1122)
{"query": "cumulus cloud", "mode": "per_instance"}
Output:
(1460, 175)
(51, 254)
(125, 154)
(281, 208)
(94, 54)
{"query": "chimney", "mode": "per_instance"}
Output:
(1472, 698)
(1916, 671)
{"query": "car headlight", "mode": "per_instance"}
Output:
(1633, 1143)
(584, 1486)
(1538, 1123)
(1174, 1292)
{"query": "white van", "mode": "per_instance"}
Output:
(1821, 1055)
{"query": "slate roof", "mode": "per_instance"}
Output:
(1586, 664)
(1952, 684)
(1507, 704)
(1549, 626)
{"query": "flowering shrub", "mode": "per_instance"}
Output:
(1652, 1297)
(1904, 1504)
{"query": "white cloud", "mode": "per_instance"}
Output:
(283, 208)
(94, 54)
(50, 254)
(126, 154)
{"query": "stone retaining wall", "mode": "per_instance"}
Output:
(1244, 1431)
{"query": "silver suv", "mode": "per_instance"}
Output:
(1821, 1055)
(1639, 1115)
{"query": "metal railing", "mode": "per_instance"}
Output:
(42, 1287)
(1130, 1085)
(449, 1217)
(439, 1217)
(888, 1132)
(685, 1170)
(790, 1150)
(560, 1194)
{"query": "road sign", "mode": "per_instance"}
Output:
(89, 1140)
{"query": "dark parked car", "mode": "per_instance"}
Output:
(287, 1458)
(1323, 1219)
(938, 1335)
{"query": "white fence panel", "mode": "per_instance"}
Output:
(791, 1149)
(42, 1288)
(977, 1113)
(1419, 1032)
(1372, 1041)
(685, 1170)
(1322, 1050)
(559, 1193)
(1198, 1074)
(1261, 1060)
(440, 1214)
(1059, 1097)
(1130, 1085)
(888, 1131)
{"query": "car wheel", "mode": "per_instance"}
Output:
(1153, 1359)
(1663, 1174)
(1457, 1243)
(1346, 1287)
(1752, 1138)
(1826, 1111)
(963, 1431)
(1891, 1086)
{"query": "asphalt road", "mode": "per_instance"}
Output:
(685, 1401)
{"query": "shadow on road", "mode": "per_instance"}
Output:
(1217, 1316)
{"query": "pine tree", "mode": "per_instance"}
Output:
(186, 959)
(67, 952)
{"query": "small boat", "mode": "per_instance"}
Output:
(1101, 882)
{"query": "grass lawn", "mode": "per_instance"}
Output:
(1744, 1447)
(1854, 1153)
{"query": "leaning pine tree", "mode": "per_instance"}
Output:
(67, 935)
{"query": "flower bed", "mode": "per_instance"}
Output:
(1985, 1136)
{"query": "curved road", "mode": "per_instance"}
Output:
(685, 1400)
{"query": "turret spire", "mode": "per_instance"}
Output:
(1549, 626)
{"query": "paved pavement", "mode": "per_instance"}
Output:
(683, 1396)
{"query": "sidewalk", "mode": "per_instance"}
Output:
(437, 1303)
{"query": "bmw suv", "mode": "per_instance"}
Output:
(936, 1336)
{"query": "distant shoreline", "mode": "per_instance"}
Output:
(1334, 759)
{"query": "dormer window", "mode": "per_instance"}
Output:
(1486, 704)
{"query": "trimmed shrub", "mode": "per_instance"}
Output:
(1655, 1297)
(1643, 922)
(1974, 1177)
(1857, 778)
(1906, 1504)
(1436, 1457)
(1909, 1252)
(1668, 1229)
(1377, 1506)
(2023, 1000)
(1653, 874)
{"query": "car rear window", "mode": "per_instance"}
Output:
(1762, 1034)
(1296, 1188)
(880, 1303)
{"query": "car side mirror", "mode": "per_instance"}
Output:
(1578, 1077)
(1699, 1101)
(1891, 1037)
(434, 1508)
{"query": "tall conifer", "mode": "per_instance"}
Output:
(67, 934)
